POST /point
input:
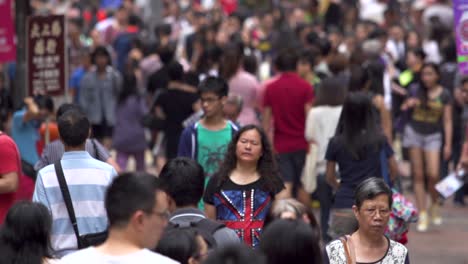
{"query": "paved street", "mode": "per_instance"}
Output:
(446, 244)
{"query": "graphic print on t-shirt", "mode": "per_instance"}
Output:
(243, 211)
(212, 146)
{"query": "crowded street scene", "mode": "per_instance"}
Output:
(233, 131)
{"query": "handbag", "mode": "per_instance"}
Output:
(403, 211)
(84, 241)
(28, 170)
(153, 122)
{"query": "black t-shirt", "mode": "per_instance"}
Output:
(158, 80)
(427, 120)
(352, 171)
(177, 106)
(229, 185)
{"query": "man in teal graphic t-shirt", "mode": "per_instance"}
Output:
(207, 140)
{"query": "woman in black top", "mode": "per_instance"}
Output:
(430, 111)
(242, 191)
(359, 148)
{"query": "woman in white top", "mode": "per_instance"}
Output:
(321, 124)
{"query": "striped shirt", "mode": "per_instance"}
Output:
(87, 181)
(55, 149)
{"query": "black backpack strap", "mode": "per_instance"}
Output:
(67, 198)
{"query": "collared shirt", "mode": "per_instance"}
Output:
(87, 180)
(55, 149)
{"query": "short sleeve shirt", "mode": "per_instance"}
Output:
(10, 162)
(212, 146)
(287, 96)
(242, 208)
(92, 256)
(25, 135)
(352, 171)
(428, 119)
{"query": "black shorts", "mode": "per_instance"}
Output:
(291, 165)
(102, 130)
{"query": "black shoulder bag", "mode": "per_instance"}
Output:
(84, 241)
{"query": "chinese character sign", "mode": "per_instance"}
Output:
(46, 54)
(461, 28)
(7, 33)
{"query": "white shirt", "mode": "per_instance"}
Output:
(321, 125)
(92, 256)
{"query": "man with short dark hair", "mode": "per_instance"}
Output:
(87, 180)
(183, 180)
(207, 140)
(55, 149)
(137, 212)
(286, 101)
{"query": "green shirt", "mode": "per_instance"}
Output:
(212, 145)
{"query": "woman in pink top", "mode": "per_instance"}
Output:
(241, 83)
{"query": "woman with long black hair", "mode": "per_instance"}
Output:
(369, 78)
(24, 236)
(360, 149)
(430, 112)
(242, 191)
(129, 135)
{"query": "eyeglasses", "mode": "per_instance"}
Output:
(209, 100)
(373, 212)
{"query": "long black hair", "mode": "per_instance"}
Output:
(24, 236)
(266, 165)
(129, 87)
(331, 91)
(368, 77)
(357, 129)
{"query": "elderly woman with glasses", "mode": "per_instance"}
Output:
(372, 207)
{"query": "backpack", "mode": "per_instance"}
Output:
(205, 227)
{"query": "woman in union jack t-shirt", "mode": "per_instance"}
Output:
(242, 191)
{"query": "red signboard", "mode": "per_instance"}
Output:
(46, 55)
(7, 33)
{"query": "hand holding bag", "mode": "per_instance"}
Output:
(84, 241)
(403, 211)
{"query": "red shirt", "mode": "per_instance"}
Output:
(9, 162)
(287, 96)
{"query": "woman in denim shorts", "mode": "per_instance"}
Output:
(430, 112)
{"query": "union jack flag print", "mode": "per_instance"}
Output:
(244, 211)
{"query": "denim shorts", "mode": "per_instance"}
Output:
(430, 142)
